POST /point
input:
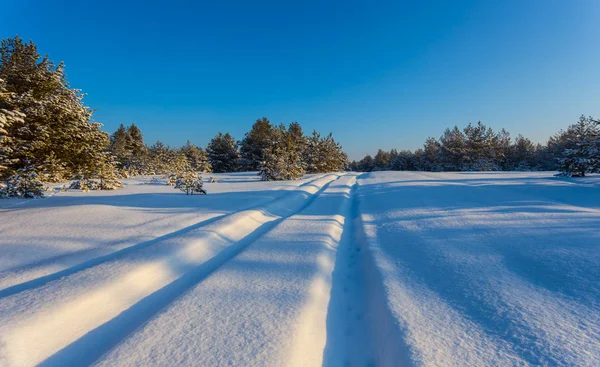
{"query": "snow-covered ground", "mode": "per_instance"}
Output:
(385, 269)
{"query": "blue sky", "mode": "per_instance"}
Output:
(376, 74)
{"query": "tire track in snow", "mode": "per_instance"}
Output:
(267, 306)
(361, 330)
(42, 280)
(87, 325)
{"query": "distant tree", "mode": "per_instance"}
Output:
(324, 154)
(254, 143)
(223, 153)
(521, 155)
(197, 158)
(432, 151)
(381, 160)
(295, 135)
(135, 142)
(283, 159)
(118, 145)
(403, 161)
(366, 164)
(480, 148)
(453, 149)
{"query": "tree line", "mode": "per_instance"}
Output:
(47, 135)
(573, 152)
(277, 152)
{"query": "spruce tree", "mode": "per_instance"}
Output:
(223, 153)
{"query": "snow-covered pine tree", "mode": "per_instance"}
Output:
(480, 151)
(282, 159)
(177, 164)
(8, 117)
(367, 164)
(96, 168)
(24, 183)
(382, 160)
(521, 156)
(324, 155)
(335, 158)
(432, 150)
(254, 143)
(197, 158)
(453, 149)
(56, 120)
(582, 157)
(118, 145)
(313, 154)
(223, 153)
(190, 182)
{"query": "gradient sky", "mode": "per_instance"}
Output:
(376, 74)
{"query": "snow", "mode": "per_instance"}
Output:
(383, 268)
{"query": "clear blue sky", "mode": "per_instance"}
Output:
(376, 74)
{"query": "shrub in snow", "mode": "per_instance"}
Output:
(84, 184)
(172, 179)
(25, 183)
(190, 182)
(484, 164)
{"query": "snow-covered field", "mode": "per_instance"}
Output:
(385, 269)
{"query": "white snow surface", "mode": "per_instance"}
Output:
(343, 269)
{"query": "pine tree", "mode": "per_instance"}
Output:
(313, 154)
(118, 145)
(8, 117)
(135, 143)
(282, 160)
(453, 149)
(56, 135)
(254, 143)
(190, 182)
(24, 183)
(223, 153)
(480, 148)
(404, 161)
(432, 155)
(583, 157)
(366, 164)
(382, 160)
(197, 157)
(521, 156)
